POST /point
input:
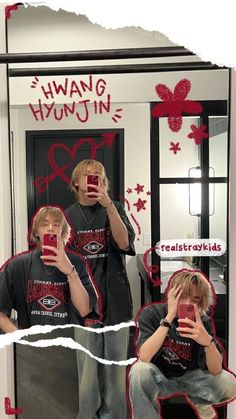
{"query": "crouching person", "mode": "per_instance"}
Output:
(179, 355)
(52, 289)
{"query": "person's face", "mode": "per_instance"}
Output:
(82, 180)
(49, 224)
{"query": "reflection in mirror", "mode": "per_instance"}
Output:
(86, 106)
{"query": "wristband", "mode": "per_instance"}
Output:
(207, 346)
(71, 272)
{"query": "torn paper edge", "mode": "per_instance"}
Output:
(16, 337)
(182, 24)
(71, 344)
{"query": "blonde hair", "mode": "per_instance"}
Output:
(57, 214)
(189, 279)
(80, 170)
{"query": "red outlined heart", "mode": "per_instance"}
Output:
(72, 152)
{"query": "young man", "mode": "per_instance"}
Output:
(53, 289)
(174, 359)
(103, 235)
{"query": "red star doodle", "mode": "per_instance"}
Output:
(149, 193)
(175, 104)
(139, 188)
(129, 191)
(140, 204)
(198, 133)
(174, 147)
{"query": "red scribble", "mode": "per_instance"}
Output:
(137, 224)
(9, 9)
(139, 188)
(198, 133)
(42, 182)
(150, 269)
(129, 191)
(174, 147)
(11, 410)
(175, 104)
(140, 204)
(126, 201)
(114, 118)
(34, 83)
(132, 216)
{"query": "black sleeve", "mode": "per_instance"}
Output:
(148, 323)
(202, 356)
(131, 234)
(7, 293)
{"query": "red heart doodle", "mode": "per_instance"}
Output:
(72, 152)
(107, 140)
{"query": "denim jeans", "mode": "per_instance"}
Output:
(147, 383)
(102, 388)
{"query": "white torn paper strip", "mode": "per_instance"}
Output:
(184, 24)
(70, 343)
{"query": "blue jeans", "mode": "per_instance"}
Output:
(102, 388)
(147, 383)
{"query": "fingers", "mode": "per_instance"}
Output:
(175, 292)
(190, 322)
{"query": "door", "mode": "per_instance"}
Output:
(52, 155)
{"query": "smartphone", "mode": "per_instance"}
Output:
(92, 180)
(49, 239)
(186, 310)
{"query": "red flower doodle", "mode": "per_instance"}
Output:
(139, 188)
(198, 133)
(174, 147)
(9, 9)
(175, 104)
(140, 204)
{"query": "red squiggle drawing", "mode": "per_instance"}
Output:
(132, 216)
(41, 183)
(9, 10)
(11, 410)
(136, 222)
(150, 269)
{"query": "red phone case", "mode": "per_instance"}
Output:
(186, 310)
(49, 239)
(92, 180)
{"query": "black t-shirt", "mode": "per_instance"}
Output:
(92, 238)
(40, 294)
(177, 354)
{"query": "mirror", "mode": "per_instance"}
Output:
(154, 158)
(82, 104)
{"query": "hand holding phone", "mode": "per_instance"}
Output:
(186, 310)
(49, 239)
(92, 180)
